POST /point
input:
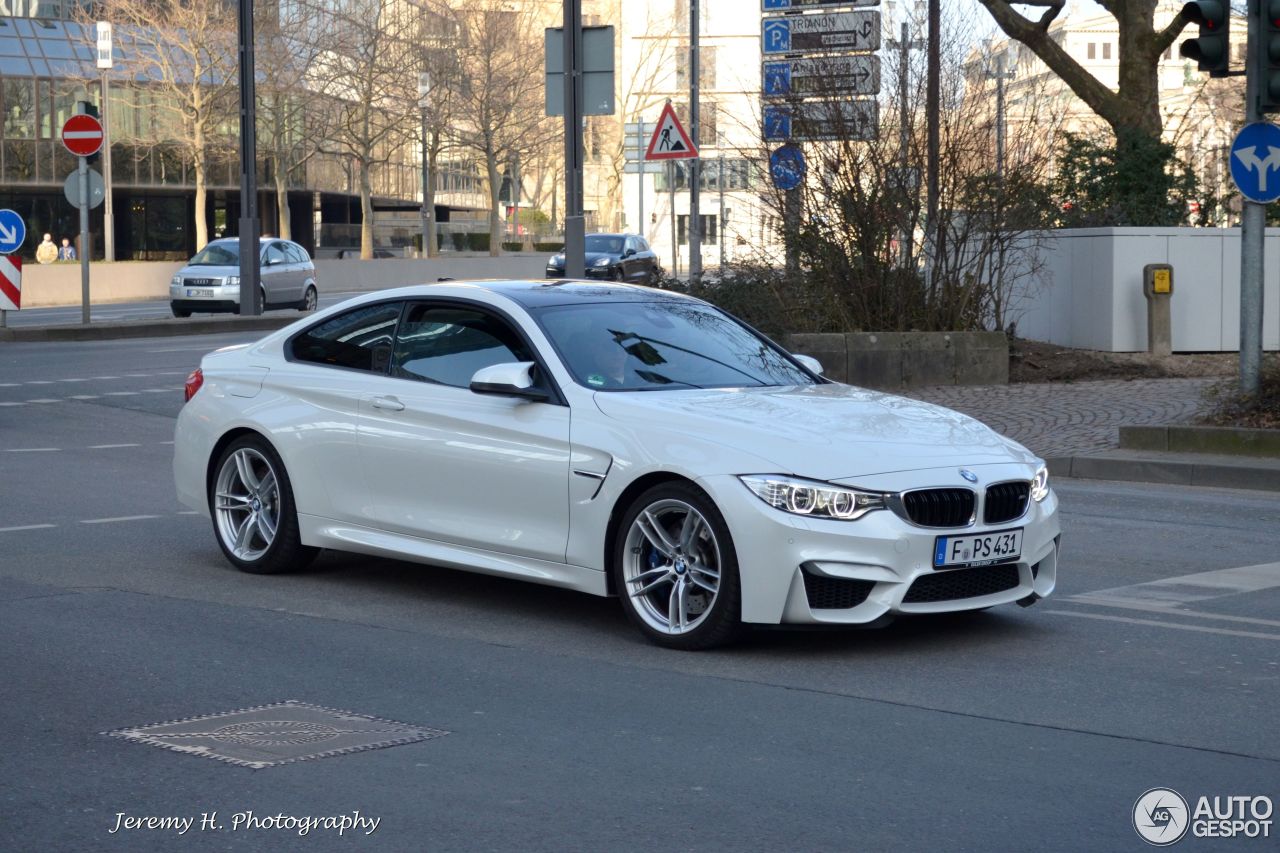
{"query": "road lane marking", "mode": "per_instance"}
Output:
(118, 518)
(188, 512)
(110, 446)
(77, 379)
(166, 442)
(1172, 611)
(1203, 629)
(106, 377)
(44, 400)
(83, 397)
(26, 527)
(121, 394)
(31, 449)
(39, 381)
(12, 404)
(1185, 589)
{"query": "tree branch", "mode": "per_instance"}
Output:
(1166, 37)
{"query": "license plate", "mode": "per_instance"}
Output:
(199, 292)
(977, 549)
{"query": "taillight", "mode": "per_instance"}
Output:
(194, 380)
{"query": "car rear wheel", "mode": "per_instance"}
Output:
(179, 312)
(254, 518)
(675, 569)
(310, 300)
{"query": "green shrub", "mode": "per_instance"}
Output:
(512, 247)
(548, 247)
(478, 242)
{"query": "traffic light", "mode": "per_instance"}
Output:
(1269, 57)
(1212, 48)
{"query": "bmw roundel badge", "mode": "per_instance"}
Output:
(968, 475)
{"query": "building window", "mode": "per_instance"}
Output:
(708, 230)
(1093, 51)
(708, 125)
(706, 67)
(1106, 50)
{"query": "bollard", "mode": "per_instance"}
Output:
(1157, 286)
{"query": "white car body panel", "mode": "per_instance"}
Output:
(527, 489)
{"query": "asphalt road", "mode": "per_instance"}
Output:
(1006, 730)
(117, 311)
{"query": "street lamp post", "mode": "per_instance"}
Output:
(1000, 75)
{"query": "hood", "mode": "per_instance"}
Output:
(823, 432)
(208, 271)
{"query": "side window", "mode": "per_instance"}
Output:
(447, 345)
(360, 338)
(274, 255)
(631, 244)
(296, 254)
(644, 245)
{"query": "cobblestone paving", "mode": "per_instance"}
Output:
(1072, 418)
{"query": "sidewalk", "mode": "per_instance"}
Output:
(1076, 427)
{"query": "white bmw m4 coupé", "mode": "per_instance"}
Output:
(612, 439)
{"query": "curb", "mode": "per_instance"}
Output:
(146, 328)
(1183, 469)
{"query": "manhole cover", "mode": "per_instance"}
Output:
(277, 734)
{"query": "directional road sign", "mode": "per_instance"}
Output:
(786, 167)
(82, 134)
(97, 189)
(856, 74)
(1255, 161)
(822, 121)
(13, 231)
(597, 71)
(780, 5)
(10, 283)
(829, 31)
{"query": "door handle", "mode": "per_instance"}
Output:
(390, 404)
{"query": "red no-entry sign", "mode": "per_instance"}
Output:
(82, 134)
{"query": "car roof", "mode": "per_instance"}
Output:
(542, 293)
(260, 240)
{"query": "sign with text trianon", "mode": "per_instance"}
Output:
(829, 31)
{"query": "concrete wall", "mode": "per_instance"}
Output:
(52, 285)
(1089, 293)
(893, 360)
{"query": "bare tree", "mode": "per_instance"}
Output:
(292, 120)
(185, 55)
(500, 94)
(1135, 105)
(367, 75)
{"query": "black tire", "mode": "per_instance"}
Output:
(655, 277)
(310, 299)
(179, 312)
(721, 622)
(616, 274)
(285, 552)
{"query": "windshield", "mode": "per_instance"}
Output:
(217, 255)
(654, 346)
(604, 243)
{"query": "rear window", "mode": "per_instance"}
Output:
(360, 339)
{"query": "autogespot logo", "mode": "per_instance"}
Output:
(1160, 817)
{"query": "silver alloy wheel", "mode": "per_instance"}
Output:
(671, 566)
(312, 299)
(247, 504)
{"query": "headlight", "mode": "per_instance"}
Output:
(557, 259)
(1040, 485)
(176, 281)
(806, 497)
(231, 281)
(603, 262)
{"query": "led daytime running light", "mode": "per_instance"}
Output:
(806, 497)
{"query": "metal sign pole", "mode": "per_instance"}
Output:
(695, 200)
(1253, 232)
(84, 240)
(675, 251)
(640, 174)
(250, 260)
(575, 226)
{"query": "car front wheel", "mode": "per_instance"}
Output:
(675, 569)
(179, 312)
(254, 518)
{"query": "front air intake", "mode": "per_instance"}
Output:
(1006, 501)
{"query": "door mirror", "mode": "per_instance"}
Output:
(514, 379)
(628, 253)
(809, 363)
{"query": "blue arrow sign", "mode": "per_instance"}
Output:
(13, 231)
(777, 122)
(1255, 162)
(777, 4)
(777, 36)
(777, 78)
(786, 166)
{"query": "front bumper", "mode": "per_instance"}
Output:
(803, 570)
(591, 272)
(220, 299)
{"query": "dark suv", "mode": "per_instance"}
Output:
(617, 257)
